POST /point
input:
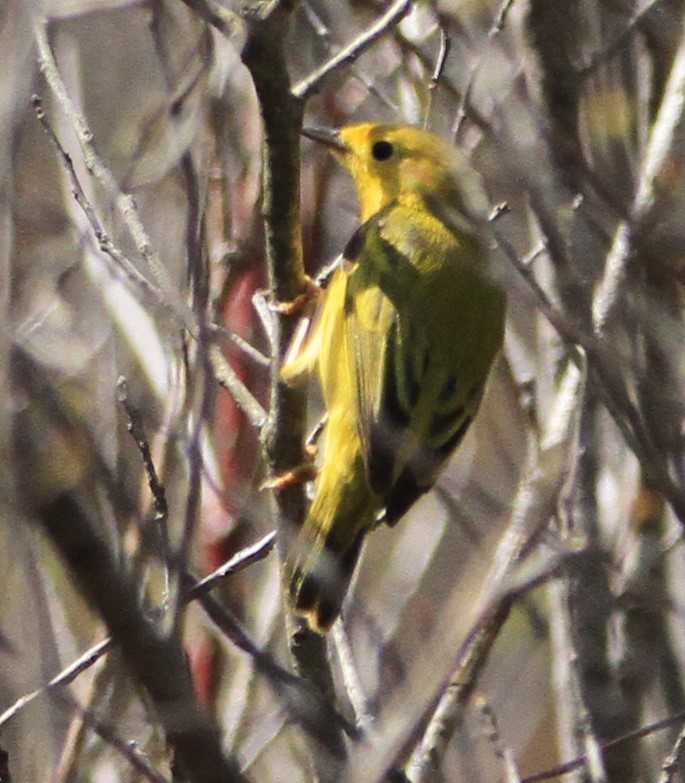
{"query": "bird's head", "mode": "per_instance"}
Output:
(390, 163)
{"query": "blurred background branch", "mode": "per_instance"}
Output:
(164, 187)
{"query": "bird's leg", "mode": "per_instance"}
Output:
(266, 306)
(306, 471)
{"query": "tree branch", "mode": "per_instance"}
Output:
(311, 84)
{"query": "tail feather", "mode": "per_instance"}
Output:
(321, 558)
(320, 581)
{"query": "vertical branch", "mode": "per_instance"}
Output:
(283, 432)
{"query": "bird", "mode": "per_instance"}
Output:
(403, 340)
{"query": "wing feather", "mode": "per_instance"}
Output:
(414, 385)
(415, 395)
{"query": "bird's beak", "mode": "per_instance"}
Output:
(329, 137)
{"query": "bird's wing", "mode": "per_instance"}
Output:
(412, 411)
(388, 367)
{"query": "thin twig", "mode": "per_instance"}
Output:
(455, 92)
(364, 717)
(667, 128)
(603, 54)
(441, 60)
(244, 345)
(464, 103)
(438, 70)
(580, 761)
(305, 703)
(673, 763)
(503, 752)
(228, 378)
(567, 330)
(124, 202)
(223, 372)
(241, 560)
(135, 428)
(323, 33)
(532, 508)
(216, 14)
(310, 84)
(65, 677)
(121, 261)
(317, 432)
(127, 750)
(501, 18)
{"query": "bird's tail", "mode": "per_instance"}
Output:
(321, 559)
(319, 582)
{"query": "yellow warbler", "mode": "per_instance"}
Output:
(403, 341)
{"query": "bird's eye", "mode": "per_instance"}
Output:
(382, 150)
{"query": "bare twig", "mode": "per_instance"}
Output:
(440, 63)
(395, 13)
(353, 686)
(464, 102)
(574, 726)
(305, 704)
(324, 34)
(227, 377)
(502, 751)
(223, 372)
(668, 127)
(217, 15)
(456, 93)
(66, 676)
(241, 560)
(577, 763)
(673, 763)
(501, 18)
(124, 202)
(127, 750)
(533, 506)
(317, 432)
(244, 345)
(135, 427)
(121, 261)
(283, 433)
(607, 51)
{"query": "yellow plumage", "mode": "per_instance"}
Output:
(403, 342)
